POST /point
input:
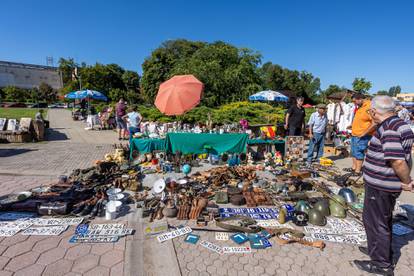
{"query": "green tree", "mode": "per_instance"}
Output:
(361, 85)
(394, 90)
(47, 93)
(67, 68)
(13, 93)
(116, 93)
(156, 68)
(275, 77)
(331, 89)
(131, 80)
(382, 92)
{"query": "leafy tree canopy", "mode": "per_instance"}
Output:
(361, 85)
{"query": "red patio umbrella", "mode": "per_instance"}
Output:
(179, 94)
(307, 106)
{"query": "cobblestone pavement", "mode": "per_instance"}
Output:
(25, 166)
(45, 255)
(291, 259)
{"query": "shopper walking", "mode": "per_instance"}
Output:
(317, 128)
(295, 118)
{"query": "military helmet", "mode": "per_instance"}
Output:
(337, 199)
(302, 206)
(337, 210)
(348, 194)
(316, 217)
(322, 206)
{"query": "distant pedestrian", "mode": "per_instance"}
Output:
(295, 118)
(134, 120)
(386, 172)
(317, 128)
(120, 111)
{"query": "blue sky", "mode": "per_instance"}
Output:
(333, 39)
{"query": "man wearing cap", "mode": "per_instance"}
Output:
(317, 125)
(362, 130)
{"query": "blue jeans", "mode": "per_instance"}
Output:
(359, 145)
(316, 143)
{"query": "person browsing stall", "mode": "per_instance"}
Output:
(295, 118)
(362, 130)
(120, 111)
(134, 120)
(317, 127)
(386, 172)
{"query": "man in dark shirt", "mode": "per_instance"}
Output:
(386, 172)
(295, 118)
(120, 111)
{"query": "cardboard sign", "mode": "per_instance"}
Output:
(45, 231)
(212, 247)
(239, 250)
(174, 234)
(56, 221)
(94, 239)
(2, 123)
(222, 236)
(155, 228)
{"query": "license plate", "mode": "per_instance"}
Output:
(45, 231)
(212, 247)
(56, 221)
(94, 239)
(106, 226)
(174, 234)
(8, 232)
(110, 232)
(240, 250)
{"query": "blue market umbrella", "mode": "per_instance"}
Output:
(269, 96)
(86, 94)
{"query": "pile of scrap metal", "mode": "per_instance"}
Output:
(83, 193)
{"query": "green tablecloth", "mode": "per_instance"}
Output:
(205, 142)
(147, 145)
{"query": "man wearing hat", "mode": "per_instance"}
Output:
(317, 125)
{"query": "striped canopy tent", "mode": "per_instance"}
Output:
(269, 96)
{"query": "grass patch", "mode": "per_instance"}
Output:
(17, 113)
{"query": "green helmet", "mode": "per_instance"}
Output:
(337, 198)
(337, 210)
(302, 206)
(322, 206)
(316, 217)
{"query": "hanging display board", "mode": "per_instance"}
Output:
(294, 147)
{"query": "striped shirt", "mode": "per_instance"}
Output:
(392, 141)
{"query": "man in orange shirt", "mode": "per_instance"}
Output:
(362, 130)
